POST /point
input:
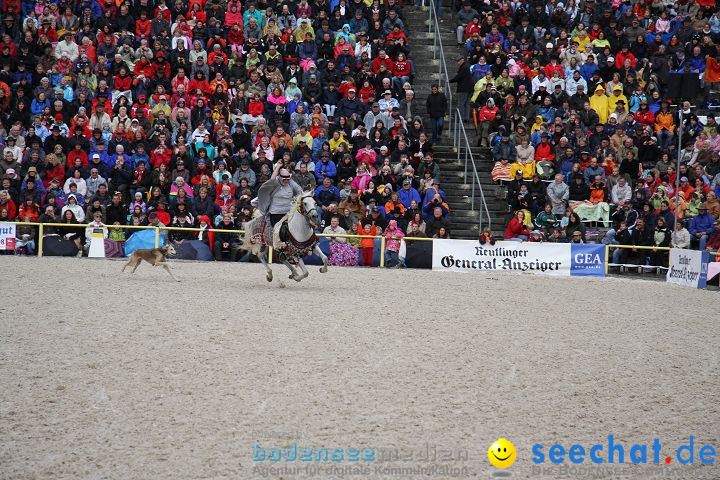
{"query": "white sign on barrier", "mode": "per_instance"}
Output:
(7, 236)
(544, 258)
(688, 268)
(468, 255)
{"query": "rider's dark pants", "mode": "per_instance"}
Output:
(275, 217)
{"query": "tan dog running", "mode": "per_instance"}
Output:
(157, 257)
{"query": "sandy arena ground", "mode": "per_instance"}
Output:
(106, 375)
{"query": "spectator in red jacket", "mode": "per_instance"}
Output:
(644, 115)
(7, 203)
(625, 54)
(142, 26)
(200, 82)
(516, 230)
(382, 59)
(122, 81)
(160, 155)
(77, 152)
(544, 151)
(401, 72)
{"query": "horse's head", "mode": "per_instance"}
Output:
(308, 208)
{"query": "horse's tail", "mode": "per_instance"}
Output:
(253, 233)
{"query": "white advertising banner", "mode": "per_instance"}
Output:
(688, 268)
(543, 258)
(7, 236)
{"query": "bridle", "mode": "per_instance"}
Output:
(302, 211)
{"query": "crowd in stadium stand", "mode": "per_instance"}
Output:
(157, 112)
(579, 103)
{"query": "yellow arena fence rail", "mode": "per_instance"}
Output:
(41, 228)
(382, 238)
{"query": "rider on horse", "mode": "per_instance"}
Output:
(275, 196)
(293, 238)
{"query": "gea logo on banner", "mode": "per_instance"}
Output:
(587, 260)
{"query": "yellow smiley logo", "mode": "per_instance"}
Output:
(502, 453)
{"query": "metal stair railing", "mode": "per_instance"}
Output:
(462, 146)
(439, 57)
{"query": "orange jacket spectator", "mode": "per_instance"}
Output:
(32, 211)
(390, 207)
(367, 242)
(597, 193)
(686, 189)
(712, 70)
(664, 120)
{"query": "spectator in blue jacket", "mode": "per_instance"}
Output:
(432, 191)
(592, 170)
(700, 227)
(350, 106)
(407, 194)
(325, 168)
(39, 104)
(589, 68)
(326, 195)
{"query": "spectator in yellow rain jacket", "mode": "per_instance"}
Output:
(599, 103)
(616, 96)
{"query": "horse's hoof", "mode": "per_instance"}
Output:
(269, 277)
(323, 269)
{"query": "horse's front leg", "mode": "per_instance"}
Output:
(303, 269)
(262, 255)
(322, 256)
(293, 273)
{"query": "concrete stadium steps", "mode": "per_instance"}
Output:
(464, 221)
